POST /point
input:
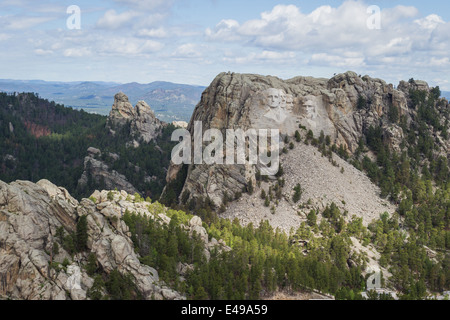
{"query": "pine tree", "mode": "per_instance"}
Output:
(267, 201)
(298, 193)
(250, 187)
(81, 234)
(263, 194)
(312, 218)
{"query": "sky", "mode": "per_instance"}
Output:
(191, 41)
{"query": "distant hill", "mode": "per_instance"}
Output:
(170, 101)
(446, 94)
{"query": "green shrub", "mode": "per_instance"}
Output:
(298, 193)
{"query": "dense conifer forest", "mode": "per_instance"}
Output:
(41, 139)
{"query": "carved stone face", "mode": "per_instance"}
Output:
(274, 98)
(310, 109)
(289, 102)
(283, 99)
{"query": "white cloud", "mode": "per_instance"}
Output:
(85, 44)
(397, 14)
(266, 56)
(187, 50)
(337, 61)
(77, 52)
(394, 47)
(285, 40)
(440, 37)
(225, 30)
(327, 35)
(146, 4)
(441, 82)
(286, 27)
(167, 32)
(4, 36)
(129, 46)
(22, 22)
(153, 33)
(430, 22)
(113, 20)
(439, 62)
(54, 6)
(42, 52)
(137, 19)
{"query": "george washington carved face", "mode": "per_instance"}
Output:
(274, 98)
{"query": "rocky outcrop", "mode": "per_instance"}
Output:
(412, 84)
(31, 217)
(342, 107)
(122, 110)
(143, 123)
(102, 175)
(180, 124)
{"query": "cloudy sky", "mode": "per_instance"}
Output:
(191, 41)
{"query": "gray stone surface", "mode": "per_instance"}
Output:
(31, 213)
(244, 101)
(99, 171)
(143, 122)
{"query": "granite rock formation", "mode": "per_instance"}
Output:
(143, 123)
(101, 173)
(342, 107)
(31, 214)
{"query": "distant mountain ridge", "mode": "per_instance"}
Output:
(170, 101)
(446, 94)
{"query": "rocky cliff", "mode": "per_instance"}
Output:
(134, 162)
(31, 219)
(143, 122)
(100, 173)
(241, 100)
(343, 108)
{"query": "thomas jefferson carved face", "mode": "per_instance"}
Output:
(283, 99)
(289, 102)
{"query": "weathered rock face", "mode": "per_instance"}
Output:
(101, 173)
(414, 85)
(245, 101)
(122, 110)
(30, 215)
(143, 122)
(146, 124)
